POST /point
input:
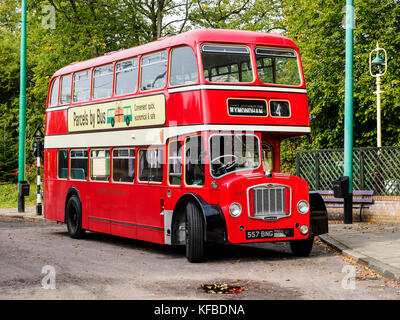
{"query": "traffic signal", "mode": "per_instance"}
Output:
(37, 148)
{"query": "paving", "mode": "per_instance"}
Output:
(29, 214)
(374, 245)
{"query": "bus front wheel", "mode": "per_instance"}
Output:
(194, 234)
(302, 248)
(74, 218)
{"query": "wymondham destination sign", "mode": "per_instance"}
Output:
(129, 113)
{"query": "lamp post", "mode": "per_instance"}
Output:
(379, 62)
(348, 113)
(22, 185)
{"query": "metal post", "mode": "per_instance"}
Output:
(316, 164)
(362, 181)
(348, 113)
(378, 107)
(22, 109)
(38, 194)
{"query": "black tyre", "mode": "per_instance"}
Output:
(302, 248)
(74, 218)
(194, 233)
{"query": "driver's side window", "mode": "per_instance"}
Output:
(194, 161)
(267, 157)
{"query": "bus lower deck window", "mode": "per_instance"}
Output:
(267, 157)
(174, 163)
(151, 165)
(100, 164)
(123, 165)
(79, 163)
(194, 163)
(62, 164)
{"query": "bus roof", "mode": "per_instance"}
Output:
(189, 38)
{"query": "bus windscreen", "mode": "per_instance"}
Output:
(277, 66)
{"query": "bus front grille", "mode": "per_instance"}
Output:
(269, 202)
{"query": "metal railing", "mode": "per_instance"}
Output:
(376, 169)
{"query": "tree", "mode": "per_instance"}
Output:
(316, 27)
(253, 15)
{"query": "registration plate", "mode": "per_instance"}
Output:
(269, 233)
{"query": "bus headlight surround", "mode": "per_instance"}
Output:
(303, 206)
(235, 209)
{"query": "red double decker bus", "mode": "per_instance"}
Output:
(178, 142)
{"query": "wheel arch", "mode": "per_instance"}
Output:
(318, 214)
(213, 218)
(71, 192)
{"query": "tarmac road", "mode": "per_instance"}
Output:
(108, 267)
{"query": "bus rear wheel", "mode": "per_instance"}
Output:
(302, 248)
(194, 234)
(74, 218)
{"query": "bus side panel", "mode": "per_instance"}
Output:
(53, 203)
(185, 104)
(56, 122)
(123, 210)
(148, 208)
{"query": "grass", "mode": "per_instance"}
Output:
(9, 195)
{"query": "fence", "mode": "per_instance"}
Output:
(375, 169)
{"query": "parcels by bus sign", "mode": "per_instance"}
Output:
(129, 113)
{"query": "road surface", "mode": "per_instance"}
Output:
(38, 260)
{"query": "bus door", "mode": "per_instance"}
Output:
(149, 200)
(122, 206)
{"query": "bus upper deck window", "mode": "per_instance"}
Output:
(103, 81)
(154, 71)
(54, 92)
(183, 66)
(226, 63)
(81, 86)
(277, 66)
(126, 76)
(66, 83)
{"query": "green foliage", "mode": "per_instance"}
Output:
(9, 195)
(253, 15)
(316, 27)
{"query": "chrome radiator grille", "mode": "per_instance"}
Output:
(269, 202)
